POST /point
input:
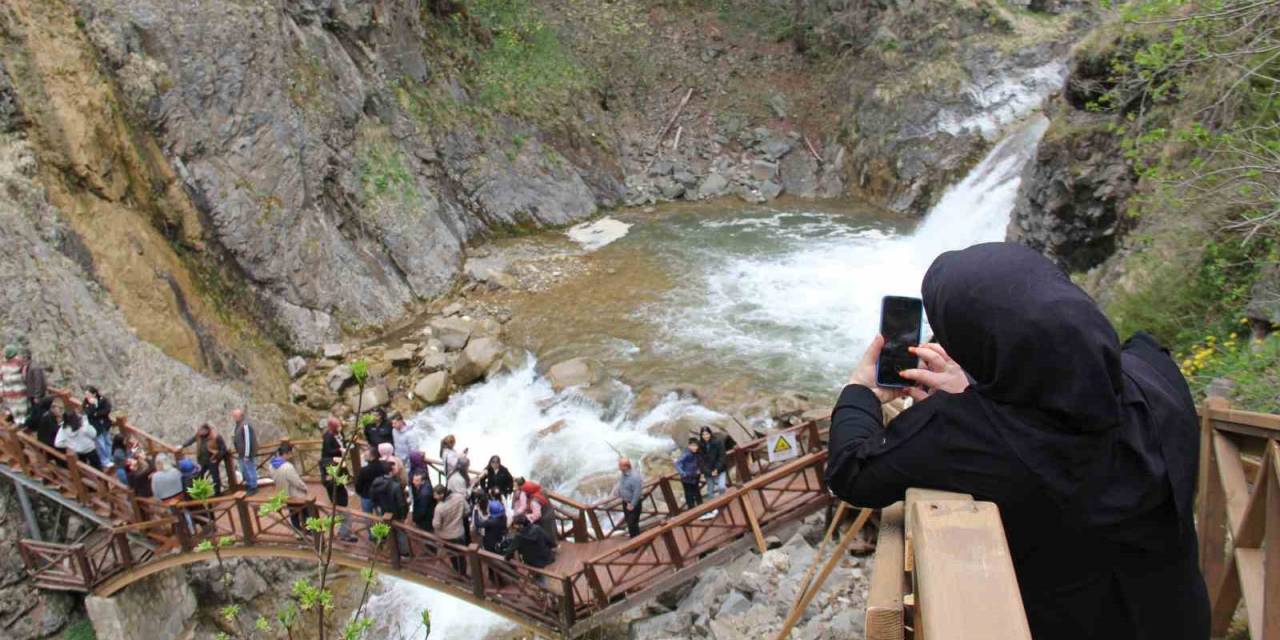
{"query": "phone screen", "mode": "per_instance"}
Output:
(900, 324)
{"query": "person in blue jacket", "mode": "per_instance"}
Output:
(689, 466)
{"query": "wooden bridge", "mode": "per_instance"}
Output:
(599, 571)
(940, 556)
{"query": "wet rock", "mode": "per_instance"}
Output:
(476, 358)
(487, 269)
(433, 389)
(576, 372)
(762, 170)
(799, 173)
(713, 186)
(666, 626)
(296, 366)
(399, 356)
(734, 603)
(453, 333)
(375, 395)
(338, 378)
(769, 190)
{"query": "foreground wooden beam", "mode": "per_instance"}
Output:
(963, 566)
(884, 619)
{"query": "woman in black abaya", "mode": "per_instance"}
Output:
(1088, 447)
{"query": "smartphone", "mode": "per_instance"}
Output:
(901, 323)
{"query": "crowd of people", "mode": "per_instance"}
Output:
(502, 513)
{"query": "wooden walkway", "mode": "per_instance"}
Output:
(599, 571)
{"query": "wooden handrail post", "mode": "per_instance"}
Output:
(83, 565)
(669, 496)
(743, 464)
(77, 481)
(595, 523)
(246, 520)
(181, 529)
(755, 523)
(394, 540)
(673, 549)
(1212, 514)
(477, 576)
(566, 607)
(121, 541)
(597, 588)
(580, 528)
(231, 484)
(814, 443)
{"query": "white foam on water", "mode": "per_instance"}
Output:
(593, 235)
(818, 303)
(503, 417)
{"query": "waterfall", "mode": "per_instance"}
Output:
(809, 304)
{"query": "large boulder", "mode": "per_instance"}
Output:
(375, 395)
(338, 378)
(578, 372)
(452, 332)
(666, 626)
(1264, 302)
(476, 358)
(433, 389)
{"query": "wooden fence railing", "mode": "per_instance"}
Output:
(1239, 517)
(943, 572)
(605, 570)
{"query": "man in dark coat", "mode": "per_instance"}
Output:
(532, 543)
(245, 439)
(1088, 447)
(379, 431)
(424, 501)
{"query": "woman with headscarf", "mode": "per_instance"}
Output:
(497, 478)
(1088, 447)
(333, 451)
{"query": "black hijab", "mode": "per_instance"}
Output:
(1111, 431)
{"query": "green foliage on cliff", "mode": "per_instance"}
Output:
(1192, 91)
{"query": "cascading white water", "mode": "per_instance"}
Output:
(503, 417)
(802, 291)
(818, 301)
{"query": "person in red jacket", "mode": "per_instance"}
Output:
(536, 506)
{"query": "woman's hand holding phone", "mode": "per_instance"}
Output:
(940, 372)
(865, 373)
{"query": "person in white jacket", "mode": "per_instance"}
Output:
(77, 435)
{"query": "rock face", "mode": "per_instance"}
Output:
(159, 606)
(310, 168)
(935, 82)
(1071, 200)
(76, 332)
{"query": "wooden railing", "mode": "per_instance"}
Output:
(940, 559)
(1239, 517)
(561, 602)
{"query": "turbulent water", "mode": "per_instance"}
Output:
(783, 297)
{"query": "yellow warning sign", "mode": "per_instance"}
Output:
(783, 446)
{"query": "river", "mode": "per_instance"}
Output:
(726, 297)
